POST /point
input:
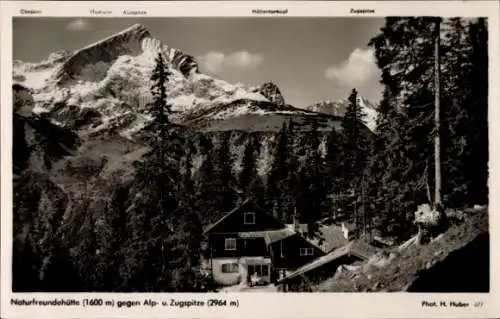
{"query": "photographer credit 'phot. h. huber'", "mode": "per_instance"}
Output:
(250, 155)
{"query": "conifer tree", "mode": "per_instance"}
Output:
(332, 172)
(188, 182)
(332, 162)
(476, 104)
(112, 238)
(223, 174)
(354, 141)
(278, 172)
(250, 183)
(204, 181)
(310, 185)
(157, 191)
(58, 272)
(455, 70)
(86, 252)
(404, 52)
(215, 180)
(186, 259)
(354, 155)
(249, 168)
(283, 175)
(24, 266)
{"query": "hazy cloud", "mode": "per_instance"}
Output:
(358, 71)
(212, 61)
(216, 61)
(79, 25)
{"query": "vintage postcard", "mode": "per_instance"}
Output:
(241, 159)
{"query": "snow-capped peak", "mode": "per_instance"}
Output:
(110, 79)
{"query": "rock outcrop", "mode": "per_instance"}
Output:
(37, 142)
(91, 63)
(181, 61)
(328, 107)
(22, 100)
(272, 93)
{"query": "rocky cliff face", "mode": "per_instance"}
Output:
(179, 60)
(328, 107)
(185, 63)
(272, 93)
(92, 62)
(22, 100)
(37, 143)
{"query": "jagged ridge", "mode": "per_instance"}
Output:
(99, 56)
(92, 62)
(272, 92)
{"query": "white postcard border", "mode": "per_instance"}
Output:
(259, 305)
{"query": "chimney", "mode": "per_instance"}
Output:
(296, 225)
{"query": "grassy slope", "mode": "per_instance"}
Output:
(96, 163)
(408, 265)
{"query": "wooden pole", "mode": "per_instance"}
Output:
(437, 141)
(363, 206)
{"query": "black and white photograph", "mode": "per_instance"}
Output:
(246, 154)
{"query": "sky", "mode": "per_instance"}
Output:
(310, 59)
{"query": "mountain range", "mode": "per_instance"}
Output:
(104, 88)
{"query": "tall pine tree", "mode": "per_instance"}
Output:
(355, 147)
(250, 183)
(404, 52)
(283, 177)
(152, 221)
(310, 185)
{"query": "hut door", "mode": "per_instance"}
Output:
(251, 269)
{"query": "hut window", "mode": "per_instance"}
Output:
(249, 218)
(229, 268)
(230, 244)
(306, 251)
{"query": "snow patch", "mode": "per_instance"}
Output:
(241, 94)
(39, 110)
(36, 79)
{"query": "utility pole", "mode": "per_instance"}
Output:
(437, 140)
(356, 219)
(363, 206)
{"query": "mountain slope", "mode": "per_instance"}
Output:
(417, 268)
(247, 115)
